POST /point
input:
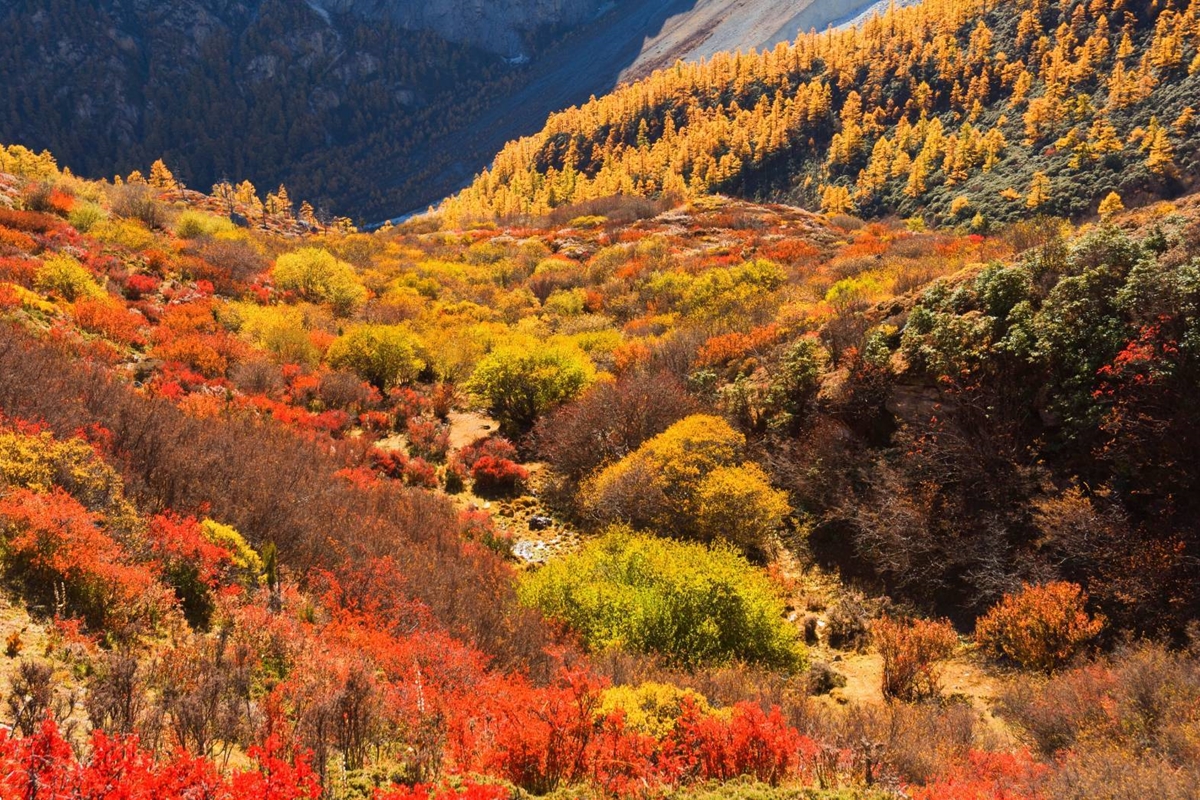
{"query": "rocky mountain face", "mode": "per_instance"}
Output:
(501, 26)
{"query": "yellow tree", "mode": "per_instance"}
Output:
(1183, 123)
(246, 194)
(1160, 153)
(1039, 191)
(1111, 205)
(836, 200)
(918, 175)
(1103, 139)
(161, 177)
(307, 215)
(224, 192)
(994, 145)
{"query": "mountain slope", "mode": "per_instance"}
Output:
(369, 108)
(716, 26)
(947, 108)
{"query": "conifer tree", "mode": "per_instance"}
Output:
(161, 177)
(1039, 191)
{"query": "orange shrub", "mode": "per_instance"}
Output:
(60, 202)
(628, 355)
(197, 317)
(911, 650)
(52, 540)
(197, 352)
(16, 240)
(791, 251)
(111, 320)
(733, 346)
(1040, 627)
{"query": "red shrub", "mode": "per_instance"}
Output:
(428, 438)
(29, 221)
(16, 269)
(408, 404)
(375, 421)
(45, 765)
(51, 539)
(396, 465)
(179, 543)
(442, 398)
(625, 762)
(791, 251)
(541, 737)
(8, 297)
(749, 743)
(494, 446)
(498, 477)
(986, 776)
(419, 472)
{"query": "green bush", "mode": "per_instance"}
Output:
(317, 275)
(84, 216)
(384, 355)
(197, 224)
(520, 383)
(688, 603)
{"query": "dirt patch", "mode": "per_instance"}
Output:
(468, 427)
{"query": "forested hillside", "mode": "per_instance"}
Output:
(958, 111)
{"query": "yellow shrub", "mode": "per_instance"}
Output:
(124, 232)
(316, 275)
(194, 224)
(40, 462)
(658, 485)
(651, 708)
(64, 276)
(225, 536)
(738, 505)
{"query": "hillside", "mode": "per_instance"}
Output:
(825, 509)
(370, 109)
(961, 112)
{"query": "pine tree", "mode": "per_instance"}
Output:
(1160, 153)
(161, 177)
(1039, 191)
(246, 194)
(1110, 205)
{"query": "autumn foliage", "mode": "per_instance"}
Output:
(1040, 627)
